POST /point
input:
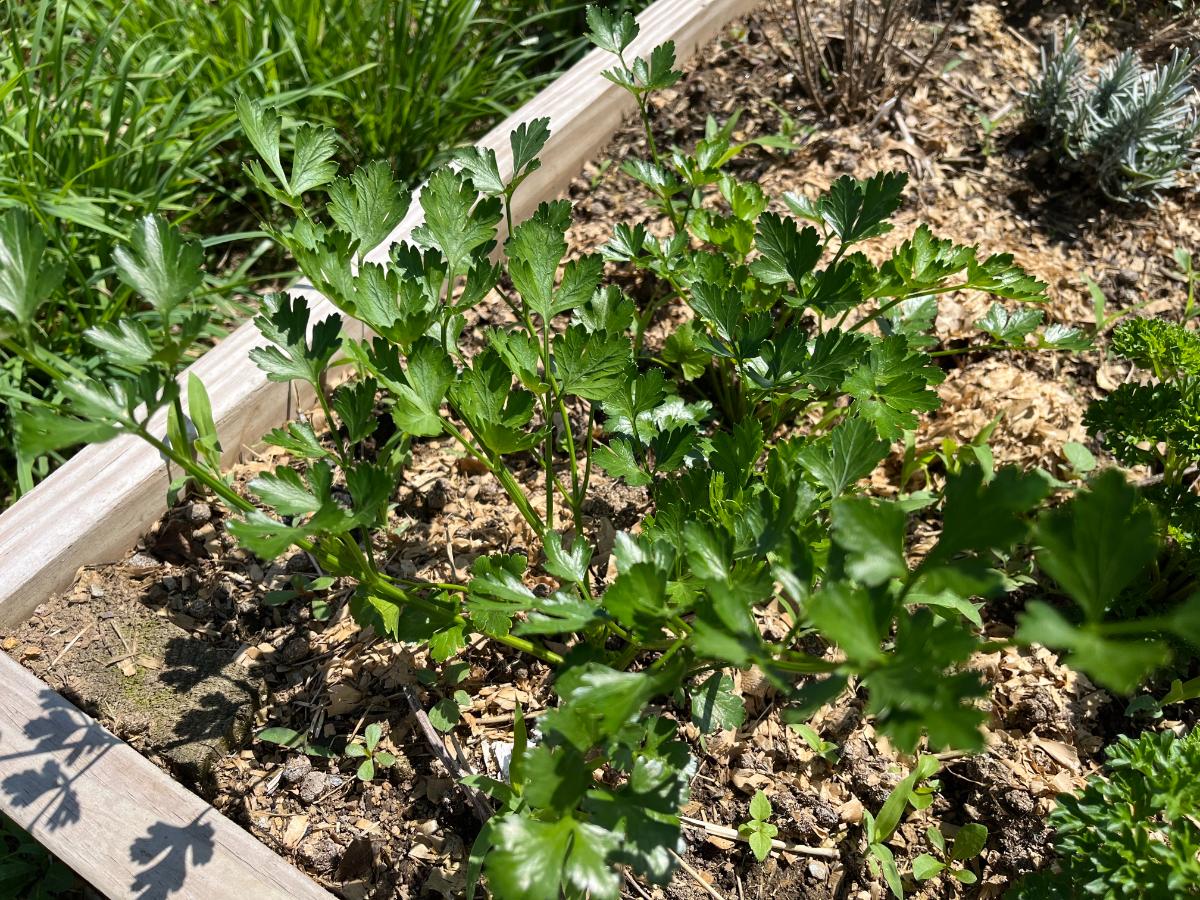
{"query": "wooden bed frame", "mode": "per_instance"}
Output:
(117, 819)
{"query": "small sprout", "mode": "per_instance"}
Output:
(291, 739)
(967, 844)
(368, 751)
(758, 832)
(826, 750)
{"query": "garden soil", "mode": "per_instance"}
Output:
(176, 652)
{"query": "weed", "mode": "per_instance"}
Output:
(758, 832)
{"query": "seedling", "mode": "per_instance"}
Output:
(823, 748)
(291, 739)
(1191, 277)
(304, 588)
(368, 751)
(967, 844)
(915, 790)
(758, 832)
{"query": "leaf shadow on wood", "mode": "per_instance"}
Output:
(75, 744)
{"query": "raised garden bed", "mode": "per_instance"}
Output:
(102, 642)
(118, 820)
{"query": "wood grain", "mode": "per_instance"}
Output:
(95, 507)
(116, 818)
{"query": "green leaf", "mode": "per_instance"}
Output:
(681, 349)
(454, 222)
(891, 875)
(312, 159)
(284, 737)
(286, 492)
(760, 843)
(298, 439)
(591, 366)
(445, 714)
(42, 431)
(618, 460)
(27, 277)
(897, 801)
(555, 778)
(417, 404)
(1119, 665)
(1010, 327)
(384, 760)
(527, 141)
(610, 31)
(760, 806)
(496, 412)
(368, 205)
(849, 452)
(536, 860)
(969, 842)
(284, 322)
(607, 310)
(535, 249)
(569, 565)
(788, 253)
(481, 166)
(891, 385)
(366, 770)
(1079, 456)
(1098, 543)
(714, 705)
(857, 210)
(447, 643)
(925, 867)
(125, 343)
(871, 533)
(355, 405)
(846, 615)
(312, 153)
(160, 263)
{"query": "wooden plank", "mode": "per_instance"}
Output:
(116, 818)
(96, 506)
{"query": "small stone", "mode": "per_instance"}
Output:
(199, 513)
(31, 652)
(142, 564)
(96, 591)
(10, 643)
(312, 786)
(818, 870)
(296, 768)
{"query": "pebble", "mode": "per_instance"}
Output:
(199, 513)
(818, 870)
(96, 591)
(312, 786)
(141, 564)
(297, 768)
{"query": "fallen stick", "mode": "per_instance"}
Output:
(708, 888)
(731, 834)
(482, 810)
